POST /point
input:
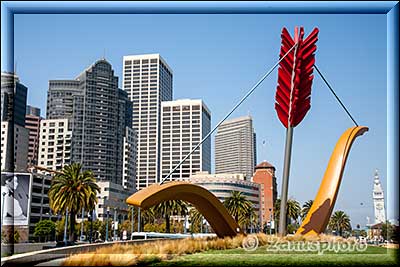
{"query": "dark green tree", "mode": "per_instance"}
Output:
(306, 208)
(239, 207)
(171, 207)
(293, 212)
(339, 222)
(44, 229)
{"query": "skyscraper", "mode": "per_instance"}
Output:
(99, 113)
(13, 99)
(14, 138)
(32, 123)
(147, 79)
(183, 124)
(235, 147)
(379, 200)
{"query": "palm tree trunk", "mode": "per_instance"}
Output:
(72, 227)
(167, 224)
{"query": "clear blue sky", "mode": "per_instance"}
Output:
(218, 58)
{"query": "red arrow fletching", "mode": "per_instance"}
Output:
(293, 94)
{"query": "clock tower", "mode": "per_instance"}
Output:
(379, 200)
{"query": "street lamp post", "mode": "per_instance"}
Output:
(138, 227)
(2, 210)
(83, 218)
(65, 226)
(108, 215)
(104, 202)
(270, 221)
(133, 222)
(115, 223)
(91, 227)
(184, 224)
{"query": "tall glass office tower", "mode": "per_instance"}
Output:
(99, 113)
(13, 99)
(14, 135)
(147, 79)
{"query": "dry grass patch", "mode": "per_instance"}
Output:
(133, 254)
(141, 253)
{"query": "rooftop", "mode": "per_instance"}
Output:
(264, 165)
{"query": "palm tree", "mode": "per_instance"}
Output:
(340, 222)
(250, 219)
(148, 215)
(171, 207)
(238, 206)
(293, 210)
(196, 219)
(306, 208)
(72, 190)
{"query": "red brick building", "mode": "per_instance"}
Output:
(265, 175)
(32, 123)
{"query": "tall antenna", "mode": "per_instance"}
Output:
(104, 53)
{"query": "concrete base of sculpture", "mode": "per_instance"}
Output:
(203, 200)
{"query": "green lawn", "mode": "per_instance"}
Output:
(261, 257)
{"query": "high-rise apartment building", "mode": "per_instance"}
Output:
(55, 144)
(14, 136)
(129, 160)
(32, 123)
(147, 79)
(99, 113)
(61, 97)
(13, 99)
(235, 147)
(14, 152)
(183, 124)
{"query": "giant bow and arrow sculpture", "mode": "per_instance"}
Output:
(293, 95)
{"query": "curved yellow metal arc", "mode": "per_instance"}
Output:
(204, 201)
(322, 207)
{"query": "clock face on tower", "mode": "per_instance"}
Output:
(379, 206)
